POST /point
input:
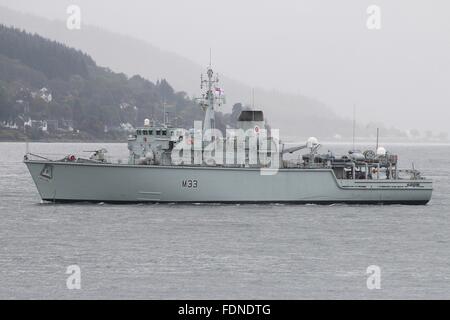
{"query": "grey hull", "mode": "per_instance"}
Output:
(70, 182)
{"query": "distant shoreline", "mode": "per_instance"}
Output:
(288, 142)
(64, 141)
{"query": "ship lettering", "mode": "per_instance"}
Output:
(189, 183)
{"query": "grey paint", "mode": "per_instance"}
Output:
(134, 183)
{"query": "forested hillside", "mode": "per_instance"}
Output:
(48, 89)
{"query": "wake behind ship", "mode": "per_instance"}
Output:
(169, 164)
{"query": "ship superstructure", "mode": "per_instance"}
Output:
(247, 164)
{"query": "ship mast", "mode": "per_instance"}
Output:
(210, 99)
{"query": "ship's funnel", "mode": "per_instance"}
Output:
(251, 120)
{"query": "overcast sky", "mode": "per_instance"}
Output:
(399, 74)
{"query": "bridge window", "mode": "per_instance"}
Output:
(164, 132)
(158, 132)
(139, 132)
(144, 132)
(150, 132)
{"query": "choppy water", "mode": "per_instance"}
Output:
(221, 251)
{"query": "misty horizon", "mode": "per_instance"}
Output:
(388, 74)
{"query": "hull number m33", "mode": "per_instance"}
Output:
(190, 183)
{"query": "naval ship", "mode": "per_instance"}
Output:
(249, 165)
